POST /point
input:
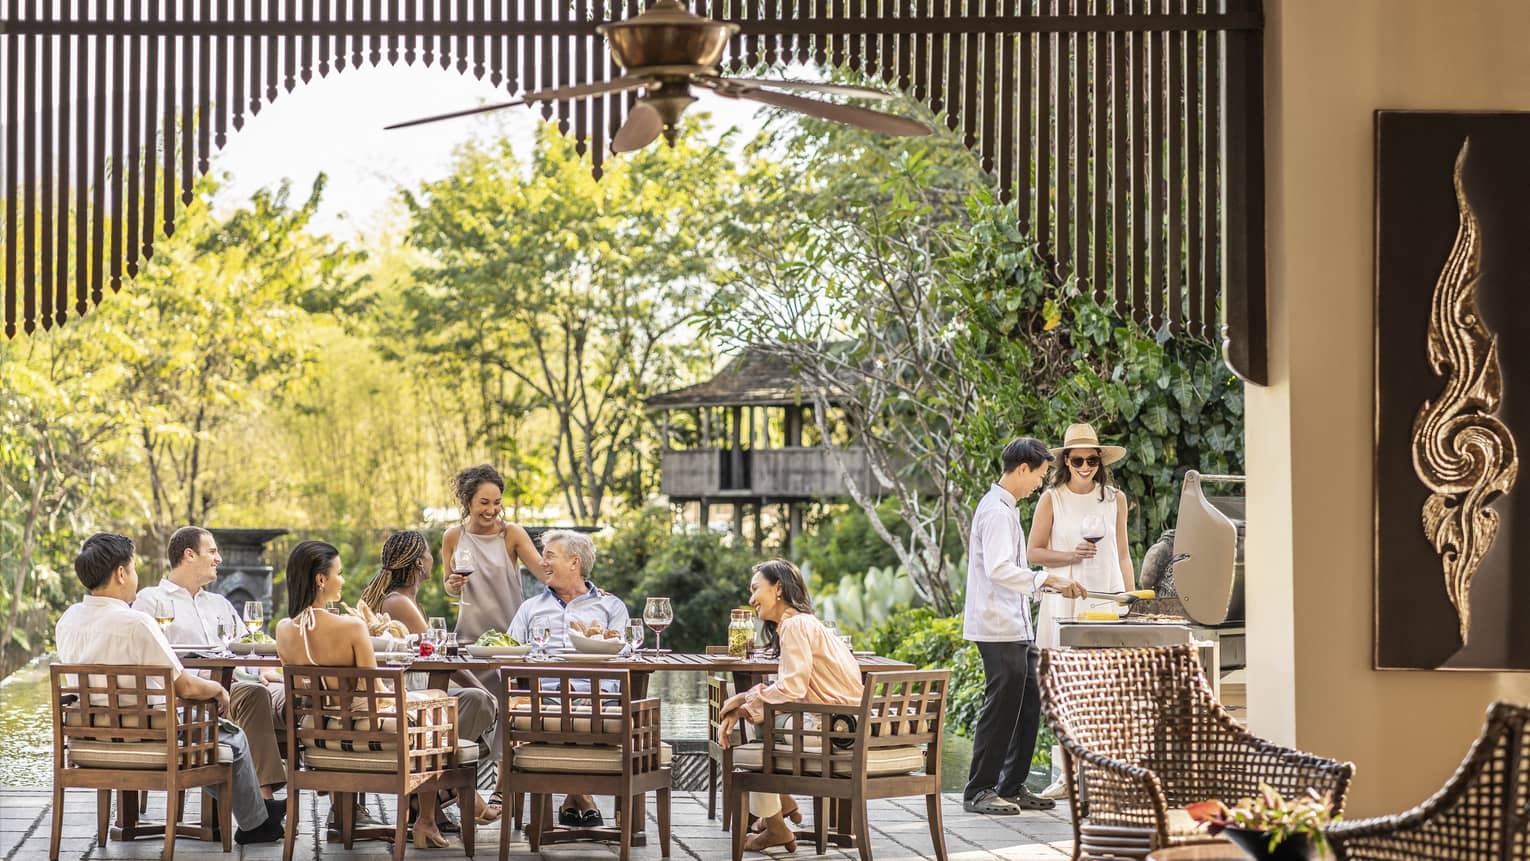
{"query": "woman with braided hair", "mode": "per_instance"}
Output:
(499, 550)
(405, 564)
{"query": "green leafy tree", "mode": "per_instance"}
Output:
(568, 296)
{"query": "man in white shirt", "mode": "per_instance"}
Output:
(1000, 584)
(104, 629)
(200, 613)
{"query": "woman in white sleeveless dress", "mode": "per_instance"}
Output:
(1080, 487)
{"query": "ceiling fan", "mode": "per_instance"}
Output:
(666, 51)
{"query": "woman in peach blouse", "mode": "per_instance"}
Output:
(816, 667)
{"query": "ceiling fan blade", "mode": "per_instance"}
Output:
(596, 88)
(850, 90)
(642, 127)
(887, 124)
(454, 114)
(579, 91)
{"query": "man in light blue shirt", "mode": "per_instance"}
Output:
(568, 557)
(998, 619)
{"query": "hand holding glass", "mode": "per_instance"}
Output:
(658, 615)
(1092, 530)
(462, 566)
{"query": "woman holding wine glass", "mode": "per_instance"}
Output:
(1079, 531)
(485, 555)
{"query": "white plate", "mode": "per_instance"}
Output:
(596, 645)
(724, 659)
(394, 657)
(253, 648)
(497, 651)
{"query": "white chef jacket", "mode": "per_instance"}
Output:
(999, 580)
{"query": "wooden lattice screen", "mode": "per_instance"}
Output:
(1130, 130)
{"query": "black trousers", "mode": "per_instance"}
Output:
(1005, 738)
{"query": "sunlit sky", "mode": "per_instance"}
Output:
(335, 125)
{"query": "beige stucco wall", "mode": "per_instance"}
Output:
(1330, 63)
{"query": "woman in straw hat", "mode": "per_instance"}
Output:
(1081, 487)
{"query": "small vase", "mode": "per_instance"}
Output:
(1296, 847)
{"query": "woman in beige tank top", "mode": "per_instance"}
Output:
(492, 594)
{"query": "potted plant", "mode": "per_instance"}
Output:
(1269, 827)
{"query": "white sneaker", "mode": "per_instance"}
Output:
(1058, 790)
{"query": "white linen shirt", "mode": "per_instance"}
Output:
(547, 610)
(999, 580)
(196, 618)
(101, 630)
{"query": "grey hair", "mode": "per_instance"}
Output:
(578, 542)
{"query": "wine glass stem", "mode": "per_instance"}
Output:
(658, 640)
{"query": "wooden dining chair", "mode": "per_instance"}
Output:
(579, 731)
(719, 758)
(342, 724)
(888, 746)
(110, 732)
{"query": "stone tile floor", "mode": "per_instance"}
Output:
(899, 832)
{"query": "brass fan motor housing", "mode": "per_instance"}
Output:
(667, 34)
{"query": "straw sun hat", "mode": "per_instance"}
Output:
(1083, 436)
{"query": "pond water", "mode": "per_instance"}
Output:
(26, 753)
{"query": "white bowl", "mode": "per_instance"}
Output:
(388, 644)
(497, 651)
(595, 645)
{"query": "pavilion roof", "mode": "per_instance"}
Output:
(755, 377)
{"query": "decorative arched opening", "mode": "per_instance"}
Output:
(1128, 132)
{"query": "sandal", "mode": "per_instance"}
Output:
(491, 810)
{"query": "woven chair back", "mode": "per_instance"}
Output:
(1150, 708)
(110, 703)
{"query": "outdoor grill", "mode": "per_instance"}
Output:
(1200, 595)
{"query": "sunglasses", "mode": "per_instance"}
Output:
(1078, 461)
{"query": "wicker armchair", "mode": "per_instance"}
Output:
(1478, 814)
(1142, 736)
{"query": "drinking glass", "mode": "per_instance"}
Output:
(462, 566)
(164, 612)
(633, 634)
(226, 635)
(437, 626)
(1092, 530)
(539, 638)
(658, 615)
(254, 615)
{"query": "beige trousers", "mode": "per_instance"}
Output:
(764, 804)
(258, 709)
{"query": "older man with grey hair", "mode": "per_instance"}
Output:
(568, 558)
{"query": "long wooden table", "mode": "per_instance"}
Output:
(746, 673)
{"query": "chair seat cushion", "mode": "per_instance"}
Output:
(320, 759)
(148, 755)
(880, 761)
(574, 758)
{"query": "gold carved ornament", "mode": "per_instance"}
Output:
(1463, 453)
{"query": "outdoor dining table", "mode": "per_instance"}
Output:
(746, 672)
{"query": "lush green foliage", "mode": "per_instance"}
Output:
(857, 601)
(927, 640)
(704, 578)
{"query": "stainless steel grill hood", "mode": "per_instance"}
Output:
(1208, 544)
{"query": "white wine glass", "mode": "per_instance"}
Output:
(1092, 530)
(164, 612)
(463, 566)
(633, 634)
(254, 615)
(437, 632)
(658, 615)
